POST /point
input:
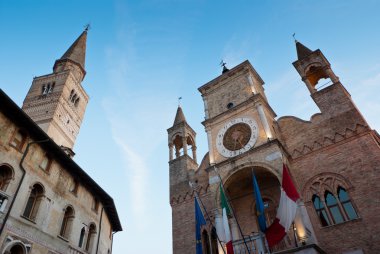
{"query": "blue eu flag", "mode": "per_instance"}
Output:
(259, 205)
(199, 221)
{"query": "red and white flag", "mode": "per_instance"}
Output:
(286, 211)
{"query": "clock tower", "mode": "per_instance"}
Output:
(57, 101)
(238, 117)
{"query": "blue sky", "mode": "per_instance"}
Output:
(143, 55)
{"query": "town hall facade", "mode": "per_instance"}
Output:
(333, 160)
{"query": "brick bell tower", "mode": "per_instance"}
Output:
(57, 101)
(182, 153)
(182, 167)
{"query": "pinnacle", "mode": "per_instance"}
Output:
(302, 50)
(179, 117)
(77, 51)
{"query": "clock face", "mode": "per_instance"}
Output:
(237, 136)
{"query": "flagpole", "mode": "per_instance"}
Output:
(262, 234)
(208, 217)
(233, 212)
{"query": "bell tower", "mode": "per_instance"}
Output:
(182, 153)
(331, 97)
(57, 101)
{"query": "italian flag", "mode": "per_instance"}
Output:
(286, 211)
(223, 227)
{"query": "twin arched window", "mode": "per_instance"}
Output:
(74, 98)
(334, 209)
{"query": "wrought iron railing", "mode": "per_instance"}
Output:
(254, 243)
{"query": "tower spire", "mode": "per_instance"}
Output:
(302, 50)
(179, 117)
(76, 54)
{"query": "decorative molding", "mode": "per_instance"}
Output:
(328, 140)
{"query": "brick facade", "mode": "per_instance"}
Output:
(335, 152)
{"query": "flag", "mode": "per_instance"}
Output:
(199, 221)
(286, 211)
(226, 227)
(259, 205)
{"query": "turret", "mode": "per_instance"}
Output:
(182, 153)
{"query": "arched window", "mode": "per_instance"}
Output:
(76, 102)
(90, 237)
(34, 201)
(333, 207)
(345, 201)
(81, 237)
(205, 242)
(321, 211)
(71, 94)
(17, 249)
(67, 222)
(6, 174)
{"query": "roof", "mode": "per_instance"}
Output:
(77, 51)
(179, 117)
(302, 50)
(230, 73)
(17, 115)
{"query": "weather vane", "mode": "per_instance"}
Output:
(294, 36)
(223, 64)
(179, 101)
(87, 27)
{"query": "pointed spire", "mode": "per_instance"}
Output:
(77, 51)
(179, 117)
(302, 50)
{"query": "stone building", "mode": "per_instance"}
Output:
(48, 204)
(333, 159)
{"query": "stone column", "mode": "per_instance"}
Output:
(171, 152)
(264, 120)
(308, 85)
(206, 107)
(332, 75)
(194, 153)
(250, 81)
(210, 148)
(184, 145)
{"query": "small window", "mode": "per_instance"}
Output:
(51, 87)
(46, 163)
(18, 140)
(71, 94)
(230, 105)
(76, 102)
(43, 89)
(74, 187)
(95, 204)
(34, 201)
(67, 222)
(81, 237)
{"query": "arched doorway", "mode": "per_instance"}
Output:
(239, 189)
